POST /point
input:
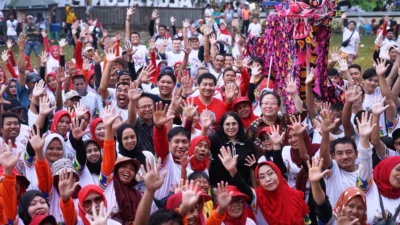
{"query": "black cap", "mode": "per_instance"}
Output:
(123, 72)
(33, 77)
(15, 105)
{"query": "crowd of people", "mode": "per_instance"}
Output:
(187, 129)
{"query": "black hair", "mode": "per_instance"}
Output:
(227, 70)
(229, 55)
(176, 39)
(333, 72)
(199, 174)
(77, 77)
(358, 115)
(355, 66)
(167, 74)
(146, 95)
(8, 115)
(122, 83)
(352, 21)
(163, 26)
(317, 96)
(206, 76)
(338, 106)
(241, 135)
(177, 131)
(134, 32)
(368, 73)
(258, 60)
(162, 216)
(219, 54)
(278, 98)
(342, 140)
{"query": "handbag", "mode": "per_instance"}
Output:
(386, 221)
(347, 42)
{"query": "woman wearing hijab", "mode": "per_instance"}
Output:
(129, 146)
(353, 205)
(224, 36)
(382, 187)
(97, 131)
(61, 125)
(276, 203)
(11, 90)
(243, 107)
(89, 195)
(32, 203)
(200, 149)
(51, 86)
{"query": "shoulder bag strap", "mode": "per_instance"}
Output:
(382, 208)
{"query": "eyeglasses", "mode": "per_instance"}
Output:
(233, 124)
(269, 174)
(89, 202)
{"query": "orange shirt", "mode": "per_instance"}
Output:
(246, 14)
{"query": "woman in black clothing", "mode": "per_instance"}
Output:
(230, 133)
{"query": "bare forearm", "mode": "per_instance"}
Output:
(132, 113)
(297, 102)
(303, 148)
(325, 154)
(346, 117)
(104, 80)
(59, 101)
(318, 193)
(143, 211)
(310, 102)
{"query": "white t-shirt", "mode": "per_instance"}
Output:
(11, 27)
(139, 58)
(386, 44)
(374, 212)
(23, 135)
(339, 181)
(351, 48)
(208, 12)
(91, 102)
(220, 80)
(367, 104)
(172, 57)
(255, 29)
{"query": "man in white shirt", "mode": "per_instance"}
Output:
(255, 27)
(176, 55)
(350, 51)
(208, 11)
(385, 43)
(139, 58)
(89, 99)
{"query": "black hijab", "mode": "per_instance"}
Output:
(137, 152)
(94, 167)
(24, 203)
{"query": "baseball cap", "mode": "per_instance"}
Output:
(88, 48)
(194, 37)
(122, 62)
(123, 72)
(41, 219)
(15, 104)
(193, 25)
(71, 94)
(30, 16)
(33, 77)
(62, 164)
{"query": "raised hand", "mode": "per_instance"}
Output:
(190, 196)
(310, 76)
(238, 62)
(184, 160)
(61, 77)
(110, 55)
(227, 160)
(97, 58)
(378, 107)
(172, 19)
(7, 159)
(154, 14)
(250, 160)
(179, 187)
(297, 126)
(335, 54)
(38, 89)
(274, 136)
(3, 88)
(326, 122)
(315, 172)
(207, 30)
(118, 35)
(4, 56)
(22, 41)
(352, 94)
(246, 61)
(213, 39)
(291, 86)
(130, 11)
(44, 106)
(224, 198)
(43, 33)
(344, 219)
(326, 106)
(206, 119)
(86, 64)
(343, 66)
(187, 86)
(134, 93)
(186, 23)
(100, 219)
(153, 180)
(66, 184)
(110, 117)
(230, 90)
(78, 129)
(44, 57)
(365, 127)
(36, 141)
(152, 44)
(9, 44)
(255, 70)
(145, 75)
(63, 43)
(380, 67)
(160, 117)
(189, 109)
(129, 48)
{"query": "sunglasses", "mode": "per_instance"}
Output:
(89, 202)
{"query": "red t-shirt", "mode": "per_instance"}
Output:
(218, 107)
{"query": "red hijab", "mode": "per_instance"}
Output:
(246, 121)
(28, 60)
(51, 74)
(93, 126)
(195, 163)
(382, 174)
(57, 116)
(52, 48)
(225, 31)
(283, 206)
(83, 193)
(243, 218)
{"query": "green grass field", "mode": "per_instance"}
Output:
(364, 58)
